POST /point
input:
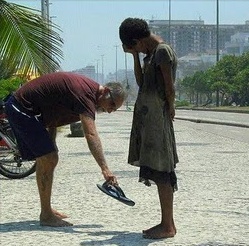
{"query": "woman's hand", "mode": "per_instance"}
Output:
(172, 112)
(127, 49)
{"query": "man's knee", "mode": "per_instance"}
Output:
(49, 160)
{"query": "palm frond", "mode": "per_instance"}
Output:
(27, 42)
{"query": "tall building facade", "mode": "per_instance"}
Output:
(88, 71)
(238, 45)
(194, 36)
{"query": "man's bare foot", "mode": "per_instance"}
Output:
(54, 221)
(159, 231)
(58, 214)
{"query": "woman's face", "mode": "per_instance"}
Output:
(140, 46)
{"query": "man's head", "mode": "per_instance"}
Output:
(133, 29)
(111, 97)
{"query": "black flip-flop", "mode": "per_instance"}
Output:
(116, 192)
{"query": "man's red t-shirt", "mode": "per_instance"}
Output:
(59, 97)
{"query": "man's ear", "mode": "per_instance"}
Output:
(106, 90)
(103, 91)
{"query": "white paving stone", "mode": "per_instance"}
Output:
(211, 205)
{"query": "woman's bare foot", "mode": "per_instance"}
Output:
(58, 214)
(159, 231)
(53, 221)
(174, 225)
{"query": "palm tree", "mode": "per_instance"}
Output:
(28, 43)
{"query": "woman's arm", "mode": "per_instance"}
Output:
(169, 87)
(138, 69)
(137, 65)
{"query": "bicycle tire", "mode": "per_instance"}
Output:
(11, 164)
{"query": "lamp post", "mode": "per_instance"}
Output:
(45, 9)
(217, 46)
(169, 20)
(116, 46)
(102, 63)
(97, 70)
(127, 83)
(47, 19)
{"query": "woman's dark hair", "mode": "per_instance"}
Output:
(131, 29)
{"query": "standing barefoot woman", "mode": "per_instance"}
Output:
(152, 141)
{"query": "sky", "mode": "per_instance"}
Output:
(90, 29)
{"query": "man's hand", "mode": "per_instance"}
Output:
(109, 177)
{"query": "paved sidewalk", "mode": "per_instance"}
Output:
(211, 206)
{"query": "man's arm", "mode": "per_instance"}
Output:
(95, 146)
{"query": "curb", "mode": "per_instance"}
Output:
(226, 123)
(197, 120)
(216, 110)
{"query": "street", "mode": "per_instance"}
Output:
(239, 118)
(211, 206)
(229, 132)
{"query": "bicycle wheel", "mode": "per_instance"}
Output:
(11, 164)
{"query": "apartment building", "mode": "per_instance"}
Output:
(88, 71)
(194, 36)
(238, 45)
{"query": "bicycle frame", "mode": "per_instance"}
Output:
(9, 142)
(11, 163)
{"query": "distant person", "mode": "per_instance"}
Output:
(152, 141)
(52, 100)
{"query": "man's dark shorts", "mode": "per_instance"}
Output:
(32, 137)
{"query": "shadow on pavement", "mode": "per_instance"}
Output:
(111, 153)
(34, 225)
(123, 238)
(220, 244)
(32, 176)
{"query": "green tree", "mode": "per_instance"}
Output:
(7, 86)
(222, 77)
(28, 43)
(188, 84)
(201, 86)
(230, 76)
(242, 82)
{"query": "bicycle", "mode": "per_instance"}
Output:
(11, 163)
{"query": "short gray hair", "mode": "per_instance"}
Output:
(117, 90)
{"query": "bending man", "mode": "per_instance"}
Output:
(52, 100)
